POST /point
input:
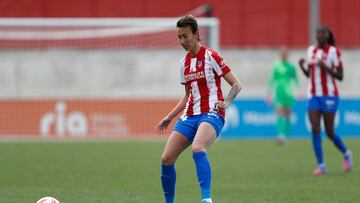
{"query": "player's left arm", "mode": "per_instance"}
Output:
(222, 70)
(235, 84)
(336, 72)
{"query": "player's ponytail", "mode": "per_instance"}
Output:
(331, 39)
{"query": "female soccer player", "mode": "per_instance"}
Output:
(324, 66)
(203, 109)
(283, 75)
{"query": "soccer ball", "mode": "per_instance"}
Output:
(48, 200)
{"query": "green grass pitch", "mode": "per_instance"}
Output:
(244, 171)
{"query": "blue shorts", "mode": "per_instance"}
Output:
(323, 103)
(188, 125)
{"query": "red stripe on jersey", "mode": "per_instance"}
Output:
(323, 75)
(204, 99)
(312, 77)
(202, 83)
(190, 108)
(187, 64)
(187, 70)
(312, 73)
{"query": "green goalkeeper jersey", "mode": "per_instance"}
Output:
(282, 78)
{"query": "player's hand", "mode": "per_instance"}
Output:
(221, 105)
(301, 62)
(162, 125)
(268, 99)
(322, 64)
(300, 96)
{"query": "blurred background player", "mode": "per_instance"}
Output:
(280, 93)
(324, 66)
(203, 106)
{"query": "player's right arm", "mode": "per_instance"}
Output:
(305, 70)
(305, 67)
(270, 84)
(302, 63)
(164, 123)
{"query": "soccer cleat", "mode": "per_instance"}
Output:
(208, 200)
(281, 140)
(320, 171)
(347, 166)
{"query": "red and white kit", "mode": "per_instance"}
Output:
(203, 74)
(322, 83)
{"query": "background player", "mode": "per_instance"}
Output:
(204, 109)
(280, 87)
(323, 68)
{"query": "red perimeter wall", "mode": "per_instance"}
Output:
(244, 23)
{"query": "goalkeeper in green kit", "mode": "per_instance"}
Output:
(280, 92)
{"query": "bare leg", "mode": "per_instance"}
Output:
(314, 117)
(176, 144)
(204, 137)
(329, 118)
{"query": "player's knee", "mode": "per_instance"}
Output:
(330, 134)
(166, 159)
(316, 129)
(197, 148)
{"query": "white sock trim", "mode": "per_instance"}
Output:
(207, 200)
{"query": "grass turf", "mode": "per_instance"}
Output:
(244, 171)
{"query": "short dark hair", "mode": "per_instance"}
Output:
(186, 21)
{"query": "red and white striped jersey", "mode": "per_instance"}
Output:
(321, 82)
(203, 75)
